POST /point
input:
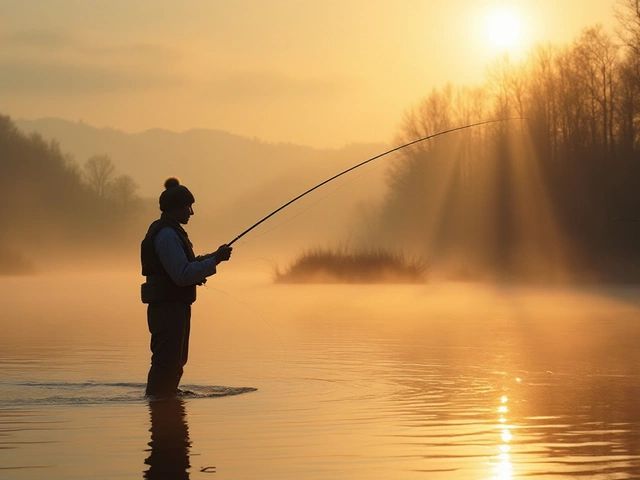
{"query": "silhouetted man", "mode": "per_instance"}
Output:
(173, 271)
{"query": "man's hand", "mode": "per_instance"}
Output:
(223, 253)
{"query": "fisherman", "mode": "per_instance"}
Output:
(172, 273)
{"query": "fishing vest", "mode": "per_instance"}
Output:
(159, 287)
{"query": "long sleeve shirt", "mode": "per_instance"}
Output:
(174, 260)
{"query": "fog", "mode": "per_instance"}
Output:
(424, 376)
(478, 205)
(468, 303)
(245, 318)
(60, 219)
(547, 194)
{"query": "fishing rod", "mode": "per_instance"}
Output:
(413, 142)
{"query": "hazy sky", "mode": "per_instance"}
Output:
(317, 72)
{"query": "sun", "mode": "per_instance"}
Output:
(504, 30)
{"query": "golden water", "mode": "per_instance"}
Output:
(450, 381)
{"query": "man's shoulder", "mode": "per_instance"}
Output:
(157, 226)
(165, 231)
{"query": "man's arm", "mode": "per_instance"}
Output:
(221, 255)
(174, 260)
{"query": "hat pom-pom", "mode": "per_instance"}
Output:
(171, 182)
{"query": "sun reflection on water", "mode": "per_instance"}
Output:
(504, 468)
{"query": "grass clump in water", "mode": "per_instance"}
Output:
(353, 266)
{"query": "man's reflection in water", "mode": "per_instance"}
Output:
(170, 444)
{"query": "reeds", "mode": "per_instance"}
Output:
(323, 265)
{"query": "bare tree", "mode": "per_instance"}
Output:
(99, 171)
(122, 190)
(499, 80)
(542, 105)
(628, 16)
(597, 57)
(628, 103)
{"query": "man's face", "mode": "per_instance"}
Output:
(182, 214)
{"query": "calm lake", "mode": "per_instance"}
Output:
(443, 381)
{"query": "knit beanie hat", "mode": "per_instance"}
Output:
(175, 195)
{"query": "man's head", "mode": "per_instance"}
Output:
(176, 200)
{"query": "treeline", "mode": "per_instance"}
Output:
(555, 195)
(52, 206)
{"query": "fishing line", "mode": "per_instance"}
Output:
(395, 149)
(284, 352)
(314, 203)
(264, 219)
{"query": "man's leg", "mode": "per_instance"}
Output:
(185, 343)
(167, 324)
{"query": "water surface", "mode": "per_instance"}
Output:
(354, 382)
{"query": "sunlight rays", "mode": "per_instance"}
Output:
(539, 243)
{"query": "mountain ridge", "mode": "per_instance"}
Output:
(236, 180)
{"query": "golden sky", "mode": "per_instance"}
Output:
(317, 72)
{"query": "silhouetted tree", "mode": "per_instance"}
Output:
(44, 200)
(99, 171)
(596, 57)
(466, 194)
(628, 16)
(122, 191)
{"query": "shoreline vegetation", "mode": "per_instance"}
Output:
(324, 265)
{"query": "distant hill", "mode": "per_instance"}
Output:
(198, 156)
(51, 214)
(236, 180)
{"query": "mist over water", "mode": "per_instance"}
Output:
(530, 373)
(449, 380)
(514, 356)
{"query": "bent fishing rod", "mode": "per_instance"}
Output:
(413, 142)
